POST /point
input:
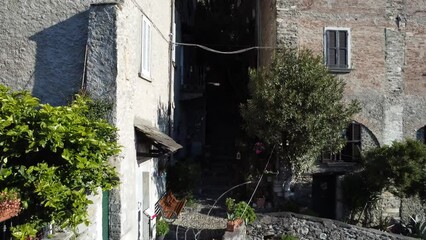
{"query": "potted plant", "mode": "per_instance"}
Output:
(237, 213)
(10, 204)
(162, 229)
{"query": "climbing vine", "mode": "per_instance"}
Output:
(54, 156)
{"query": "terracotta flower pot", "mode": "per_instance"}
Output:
(233, 225)
(9, 208)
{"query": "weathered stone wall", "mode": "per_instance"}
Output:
(267, 30)
(42, 47)
(274, 225)
(368, 139)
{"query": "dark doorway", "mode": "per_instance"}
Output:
(324, 195)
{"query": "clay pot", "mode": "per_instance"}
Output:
(233, 225)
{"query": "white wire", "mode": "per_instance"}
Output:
(258, 183)
(223, 52)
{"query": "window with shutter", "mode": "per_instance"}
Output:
(145, 69)
(337, 49)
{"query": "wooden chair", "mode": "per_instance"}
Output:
(169, 207)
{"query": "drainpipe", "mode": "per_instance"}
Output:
(171, 45)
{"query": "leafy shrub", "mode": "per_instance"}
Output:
(162, 227)
(400, 169)
(240, 210)
(54, 157)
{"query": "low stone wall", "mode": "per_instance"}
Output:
(274, 225)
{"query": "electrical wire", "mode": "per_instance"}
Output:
(258, 182)
(223, 52)
(195, 44)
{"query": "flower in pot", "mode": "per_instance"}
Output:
(237, 213)
(162, 229)
(10, 204)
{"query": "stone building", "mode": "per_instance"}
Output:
(121, 53)
(378, 49)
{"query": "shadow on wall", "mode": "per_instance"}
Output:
(60, 59)
(163, 118)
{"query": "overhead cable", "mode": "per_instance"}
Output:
(223, 52)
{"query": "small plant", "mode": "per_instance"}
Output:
(289, 237)
(240, 210)
(162, 228)
(25, 231)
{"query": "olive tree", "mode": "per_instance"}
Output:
(298, 106)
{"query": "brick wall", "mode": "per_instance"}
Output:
(388, 74)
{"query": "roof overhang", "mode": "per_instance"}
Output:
(163, 143)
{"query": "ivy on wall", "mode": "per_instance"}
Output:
(54, 156)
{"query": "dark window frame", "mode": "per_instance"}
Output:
(337, 49)
(352, 150)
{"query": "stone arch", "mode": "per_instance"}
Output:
(371, 129)
(359, 139)
(368, 138)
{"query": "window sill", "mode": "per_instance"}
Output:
(340, 70)
(145, 77)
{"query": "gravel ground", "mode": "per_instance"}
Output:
(194, 223)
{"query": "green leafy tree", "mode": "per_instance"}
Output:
(54, 157)
(399, 168)
(296, 105)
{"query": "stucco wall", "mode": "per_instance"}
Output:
(134, 96)
(42, 45)
(387, 56)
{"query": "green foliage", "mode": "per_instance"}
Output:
(289, 237)
(356, 191)
(400, 169)
(162, 227)
(22, 232)
(54, 156)
(296, 104)
(240, 210)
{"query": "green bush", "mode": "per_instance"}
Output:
(240, 210)
(162, 227)
(54, 157)
(399, 168)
